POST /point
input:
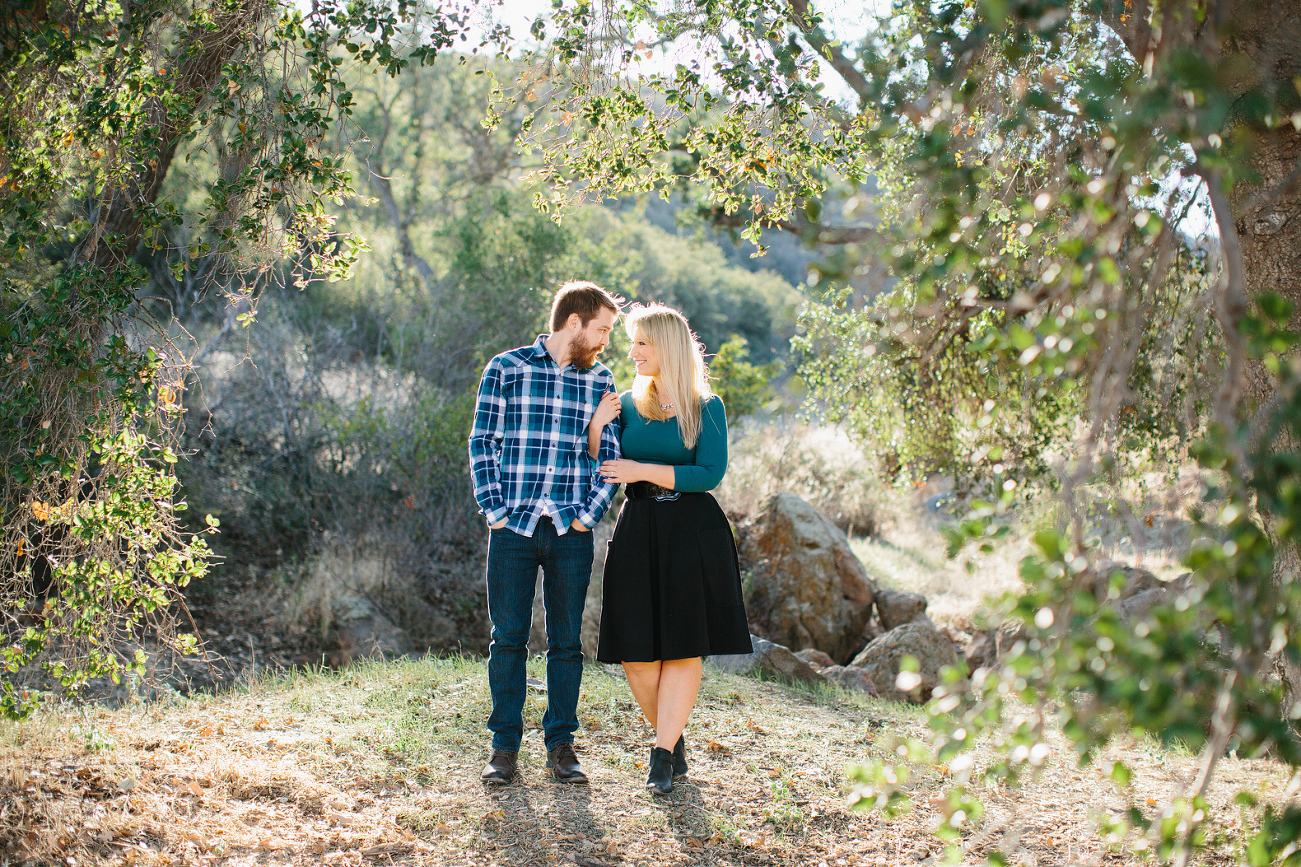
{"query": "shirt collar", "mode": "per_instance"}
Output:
(540, 353)
(539, 348)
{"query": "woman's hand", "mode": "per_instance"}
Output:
(623, 471)
(606, 411)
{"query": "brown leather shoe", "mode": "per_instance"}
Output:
(564, 765)
(500, 768)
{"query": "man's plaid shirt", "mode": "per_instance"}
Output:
(528, 448)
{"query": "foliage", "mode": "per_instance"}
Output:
(1197, 670)
(95, 103)
(329, 438)
(744, 387)
(819, 465)
(304, 443)
(645, 263)
(1038, 162)
(93, 551)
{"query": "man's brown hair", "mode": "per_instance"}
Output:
(581, 297)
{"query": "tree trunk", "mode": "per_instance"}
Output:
(117, 223)
(1269, 229)
(1269, 218)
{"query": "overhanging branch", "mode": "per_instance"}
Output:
(814, 232)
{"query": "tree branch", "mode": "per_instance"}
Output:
(380, 184)
(829, 49)
(115, 233)
(1130, 23)
(813, 232)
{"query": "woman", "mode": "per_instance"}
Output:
(672, 590)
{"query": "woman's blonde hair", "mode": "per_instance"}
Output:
(683, 379)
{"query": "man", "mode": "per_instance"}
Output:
(537, 486)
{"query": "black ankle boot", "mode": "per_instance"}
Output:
(660, 778)
(680, 757)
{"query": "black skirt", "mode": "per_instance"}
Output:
(671, 587)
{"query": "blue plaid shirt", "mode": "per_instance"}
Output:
(528, 448)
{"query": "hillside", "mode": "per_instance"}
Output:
(379, 764)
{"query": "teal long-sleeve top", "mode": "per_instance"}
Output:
(658, 442)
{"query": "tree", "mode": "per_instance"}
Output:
(1040, 159)
(96, 102)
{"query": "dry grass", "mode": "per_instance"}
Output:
(821, 465)
(380, 764)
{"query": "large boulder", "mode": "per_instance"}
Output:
(361, 630)
(770, 660)
(882, 660)
(807, 588)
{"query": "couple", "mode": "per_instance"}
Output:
(551, 443)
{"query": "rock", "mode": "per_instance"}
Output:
(895, 607)
(1141, 592)
(806, 589)
(815, 657)
(362, 631)
(987, 647)
(1137, 580)
(881, 660)
(850, 677)
(1137, 605)
(768, 660)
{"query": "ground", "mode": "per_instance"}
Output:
(379, 765)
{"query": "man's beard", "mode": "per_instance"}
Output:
(581, 353)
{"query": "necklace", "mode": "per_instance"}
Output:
(666, 406)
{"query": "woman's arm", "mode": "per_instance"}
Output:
(624, 471)
(606, 411)
(711, 451)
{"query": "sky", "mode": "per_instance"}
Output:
(847, 19)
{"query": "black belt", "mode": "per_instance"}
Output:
(647, 491)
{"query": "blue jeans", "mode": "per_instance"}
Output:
(513, 562)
